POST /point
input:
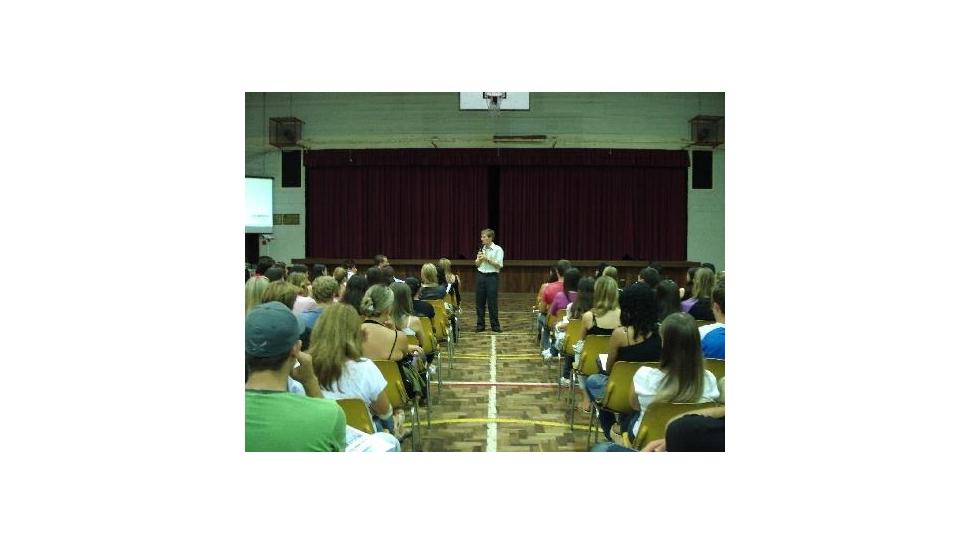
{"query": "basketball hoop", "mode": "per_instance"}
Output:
(494, 102)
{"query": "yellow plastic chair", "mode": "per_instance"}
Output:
(413, 339)
(701, 323)
(573, 329)
(553, 319)
(441, 328)
(586, 364)
(715, 366)
(398, 396)
(616, 397)
(430, 344)
(653, 426)
(358, 416)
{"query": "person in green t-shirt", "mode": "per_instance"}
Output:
(276, 420)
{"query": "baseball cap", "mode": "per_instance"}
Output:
(271, 330)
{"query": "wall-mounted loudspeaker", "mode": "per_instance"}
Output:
(292, 163)
(285, 132)
(702, 169)
(707, 130)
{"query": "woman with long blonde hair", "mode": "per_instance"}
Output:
(335, 346)
(453, 283)
(255, 287)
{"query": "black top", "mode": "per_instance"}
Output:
(423, 309)
(437, 292)
(702, 310)
(696, 433)
(597, 330)
(648, 350)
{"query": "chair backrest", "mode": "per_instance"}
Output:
(357, 414)
(429, 345)
(553, 319)
(617, 394)
(715, 366)
(573, 328)
(593, 347)
(395, 391)
(440, 321)
(450, 299)
(701, 323)
(654, 423)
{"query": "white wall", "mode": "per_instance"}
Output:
(419, 120)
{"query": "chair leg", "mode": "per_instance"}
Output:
(416, 426)
(427, 410)
(594, 410)
(572, 401)
(439, 372)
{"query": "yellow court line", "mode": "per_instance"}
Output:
(504, 421)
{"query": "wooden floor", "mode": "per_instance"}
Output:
(497, 395)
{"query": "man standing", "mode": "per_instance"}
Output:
(277, 420)
(489, 262)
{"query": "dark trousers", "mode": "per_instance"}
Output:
(486, 289)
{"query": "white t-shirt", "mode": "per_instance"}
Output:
(705, 329)
(361, 379)
(646, 383)
(303, 304)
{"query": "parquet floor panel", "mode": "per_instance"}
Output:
(528, 415)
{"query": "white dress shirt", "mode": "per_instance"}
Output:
(495, 253)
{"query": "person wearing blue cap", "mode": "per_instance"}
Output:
(277, 420)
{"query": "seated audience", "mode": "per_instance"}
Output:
(570, 283)
(354, 291)
(277, 420)
(602, 319)
(344, 373)
(548, 295)
(699, 306)
(350, 267)
(430, 288)
(681, 377)
(685, 292)
(303, 300)
(575, 311)
(318, 270)
(649, 276)
(421, 308)
(382, 340)
(324, 291)
(668, 299)
(275, 273)
(636, 339)
(340, 275)
(374, 276)
(712, 335)
(701, 430)
(255, 287)
(452, 282)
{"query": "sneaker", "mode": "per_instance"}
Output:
(564, 382)
(546, 354)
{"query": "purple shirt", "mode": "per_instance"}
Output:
(560, 302)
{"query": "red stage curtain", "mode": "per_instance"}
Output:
(404, 212)
(609, 213)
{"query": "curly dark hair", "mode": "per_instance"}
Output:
(638, 309)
